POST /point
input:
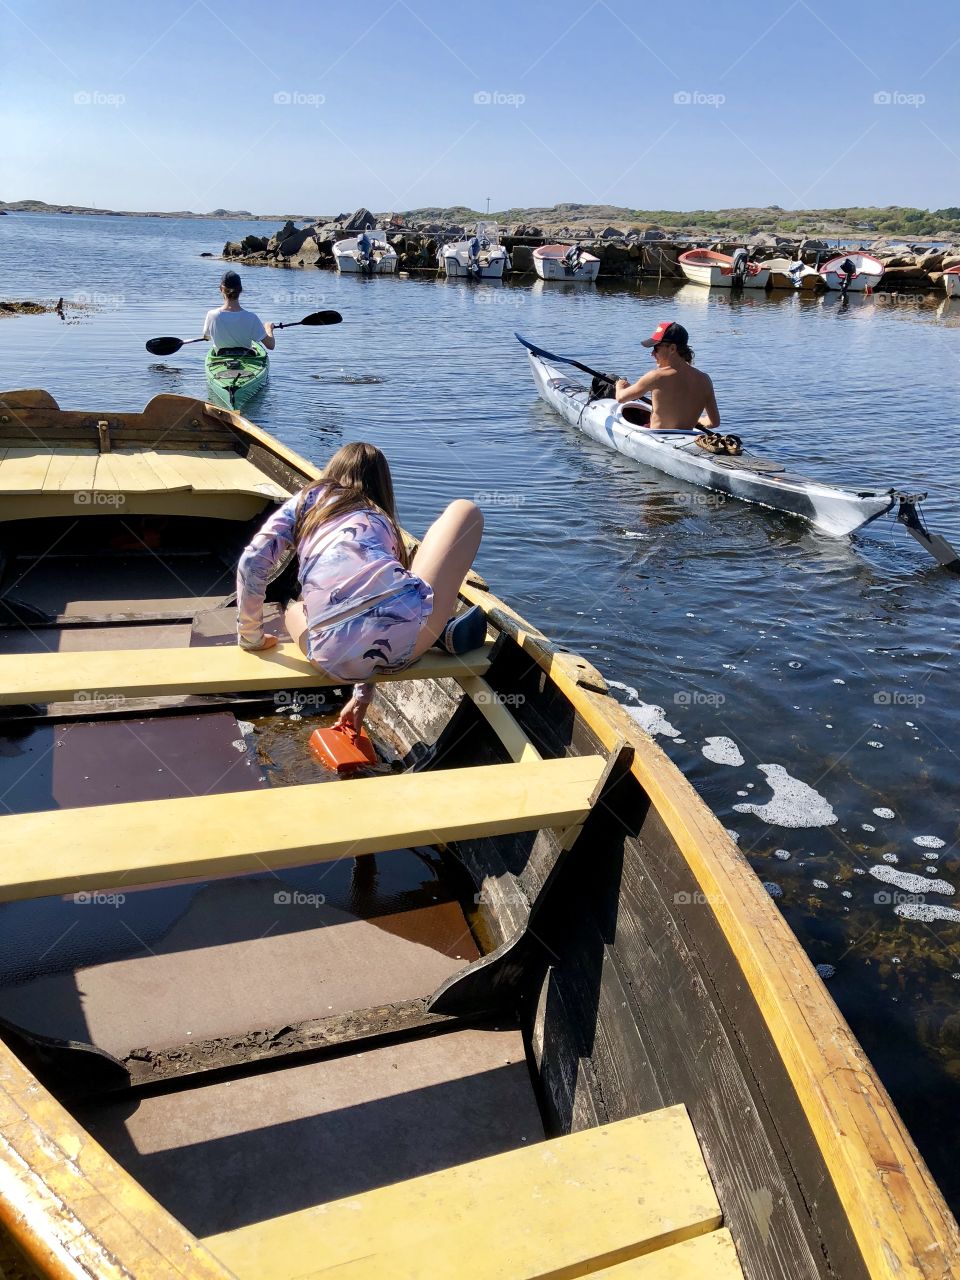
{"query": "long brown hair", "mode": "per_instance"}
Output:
(357, 478)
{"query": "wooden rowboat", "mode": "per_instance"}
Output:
(641, 1076)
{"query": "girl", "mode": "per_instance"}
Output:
(365, 607)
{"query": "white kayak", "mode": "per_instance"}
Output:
(833, 510)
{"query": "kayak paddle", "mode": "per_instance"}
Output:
(548, 355)
(167, 346)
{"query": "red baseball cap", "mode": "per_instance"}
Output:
(667, 331)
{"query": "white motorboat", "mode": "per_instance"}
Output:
(569, 262)
(368, 254)
(479, 257)
(719, 270)
(852, 272)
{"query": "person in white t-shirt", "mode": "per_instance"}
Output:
(229, 327)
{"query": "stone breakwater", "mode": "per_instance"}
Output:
(648, 254)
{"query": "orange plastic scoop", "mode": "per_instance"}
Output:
(342, 749)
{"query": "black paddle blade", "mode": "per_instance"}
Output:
(322, 317)
(164, 346)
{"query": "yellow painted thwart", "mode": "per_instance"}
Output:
(709, 1257)
(237, 833)
(560, 1208)
(132, 673)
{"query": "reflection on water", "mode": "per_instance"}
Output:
(834, 661)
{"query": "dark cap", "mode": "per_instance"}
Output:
(231, 282)
(667, 331)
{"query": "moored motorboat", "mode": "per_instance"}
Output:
(367, 254)
(951, 281)
(255, 1082)
(720, 270)
(852, 272)
(569, 262)
(479, 257)
(235, 377)
(790, 273)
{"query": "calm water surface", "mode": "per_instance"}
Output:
(834, 662)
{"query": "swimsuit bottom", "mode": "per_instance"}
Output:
(381, 639)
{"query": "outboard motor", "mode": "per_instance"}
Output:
(571, 260)
(473, 253)
(847, 270)
(796, 274)
(741, 264)
(364, 251)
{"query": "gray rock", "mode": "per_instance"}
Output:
(254, 244)
(291, 245)
(309, 251)
(232, 249)
(611, 233)
(522, 257)
(362, 220)
(932, 260)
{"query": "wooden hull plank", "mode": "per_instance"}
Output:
(70, 1208)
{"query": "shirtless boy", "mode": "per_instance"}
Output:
(679, 392)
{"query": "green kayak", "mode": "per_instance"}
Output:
(235, 379)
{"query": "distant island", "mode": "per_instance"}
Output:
(893, 220)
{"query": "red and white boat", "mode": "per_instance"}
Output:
(852, 272)
(707, 266)
(565, 262)
(951, 281)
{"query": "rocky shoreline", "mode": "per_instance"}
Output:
(638, 252)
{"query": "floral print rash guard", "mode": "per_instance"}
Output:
(349, 567)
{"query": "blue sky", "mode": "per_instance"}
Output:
(319, 108)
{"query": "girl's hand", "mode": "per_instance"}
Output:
(352, 713)
(268, 642)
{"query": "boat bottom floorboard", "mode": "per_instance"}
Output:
(239, 1151)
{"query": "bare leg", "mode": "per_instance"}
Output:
(443, 561)
(295, 620)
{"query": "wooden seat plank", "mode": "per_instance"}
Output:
(72, 472)
(238, 833)
(166, 466)
(59, 677)
(562, 1208)
(62, 462)
(709, 1257)
(227, 470)
(24, 470)
(127, 471)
